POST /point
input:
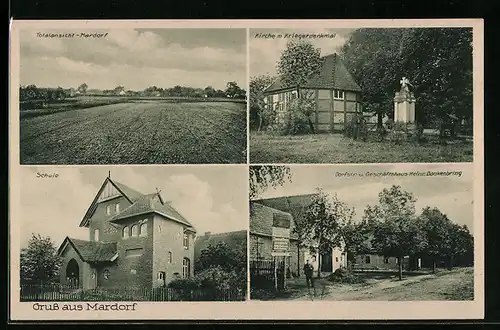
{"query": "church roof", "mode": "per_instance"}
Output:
(332, 75)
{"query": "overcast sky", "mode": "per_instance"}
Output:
(212, 198)
(453, 195)
(265, 53)
(135, 58)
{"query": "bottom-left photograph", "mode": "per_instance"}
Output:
(133, 233)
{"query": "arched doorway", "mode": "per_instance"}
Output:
(73, 273)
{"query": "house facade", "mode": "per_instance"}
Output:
(333, 91)
(264, 213)
(135, 240)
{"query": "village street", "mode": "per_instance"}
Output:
(456, 284)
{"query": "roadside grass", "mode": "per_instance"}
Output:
(334, 148)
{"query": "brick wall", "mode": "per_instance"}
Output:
(168, 237)
(99, 220)
(84, 269)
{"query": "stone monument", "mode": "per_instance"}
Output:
(404, 103)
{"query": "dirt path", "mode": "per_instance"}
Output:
(447, 285)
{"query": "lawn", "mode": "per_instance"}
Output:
(154, 132)
(457, 284)
(334, 148)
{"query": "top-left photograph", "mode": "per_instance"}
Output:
(137, 96)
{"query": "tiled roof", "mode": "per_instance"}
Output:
(129, 192)
(261, 219)
(333, 75)
(232, 239)
(151, 203)
(92, 251)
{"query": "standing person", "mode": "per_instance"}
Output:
(309, 270)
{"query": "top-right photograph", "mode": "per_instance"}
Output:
(369, 95)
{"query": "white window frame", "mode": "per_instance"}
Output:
(170, 257)
(186, 268)
(338, 94)
(108, 209)
(96, 235)
(185, 241)
(160, 276)
(132, 230)
(125, 229)
(143, 229)
(117, 208)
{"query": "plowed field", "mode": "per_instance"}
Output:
(138, 133)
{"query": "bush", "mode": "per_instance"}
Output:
(220, 279)
(294, 120)
(184, 284)
(344, 275)
(379, 135)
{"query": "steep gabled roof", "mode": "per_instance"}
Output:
(91, 252)
(261, 220)
(140, 204)
(332, 75)
(152, 203)
(129, 193)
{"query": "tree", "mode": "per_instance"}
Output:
(356, 236)
(323, 220)
(437, 229)
(298, 62)
(83, 88)
(221, 255)
(118, 90)
(461, 244)
(263, 176)
(39, 261)
(438, 61)
(234, 91)
(209, 91)
(396, 231)
(257, 104)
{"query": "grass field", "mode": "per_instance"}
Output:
(334, 148)
(137, 133)
(456, 285)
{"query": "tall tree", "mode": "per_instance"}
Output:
(39, 261)
(438, 62)
(234, 91)
(83, 88)
(437, 229)
(257, 104)
(323, 221)
(298, 61)
(396, 231)
(462, 244)
(264, 176)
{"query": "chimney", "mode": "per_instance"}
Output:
(207, 233)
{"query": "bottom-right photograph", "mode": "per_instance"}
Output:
(360, 232)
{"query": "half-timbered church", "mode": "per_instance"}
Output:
(134, 240)
(335, 94)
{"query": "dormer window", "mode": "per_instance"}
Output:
(186, 241)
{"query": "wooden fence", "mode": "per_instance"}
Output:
(262, 273)
(57, 292)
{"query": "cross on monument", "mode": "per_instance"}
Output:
(404, 83)
(158, 191)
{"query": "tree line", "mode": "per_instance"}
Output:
(390, 228)
(34, 93)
